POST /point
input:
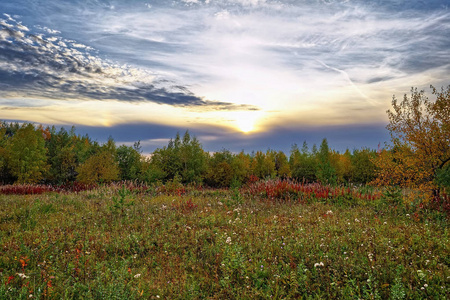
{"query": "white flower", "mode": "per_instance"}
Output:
(318, 265)
(329, 212)
(137, 275)
(23, 276)
(228, 240)
(425, 285)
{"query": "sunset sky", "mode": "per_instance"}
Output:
(239, 74)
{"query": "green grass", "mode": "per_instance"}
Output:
(113, 244)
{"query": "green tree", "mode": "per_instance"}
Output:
(241, 166)
(130, 161)
(26, 154)
(220, 173)
(99, 168)
(326, 173)
(5, 176)
(364, 169)
(303, 164)
(263, 165)
(61, 155)
(281, 163)
(185, 158)
(193, 159)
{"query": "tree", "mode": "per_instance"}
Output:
(99, 168)
(61, 155)
(4, 173)
(326, 173)
(220, 173)
(342, 165)
(262, 165)
(303, 165)
(420, 136)
(129, 159)
(26, 154)
(193, 159)
(185, 158)
(363, 167)
(241, 164)
(102, 166)
(282, 165)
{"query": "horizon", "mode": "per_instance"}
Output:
(238, 74)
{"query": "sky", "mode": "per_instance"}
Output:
(238, 74)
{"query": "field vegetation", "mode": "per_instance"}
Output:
(267, 240)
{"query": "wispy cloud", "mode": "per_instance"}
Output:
(34, 65)
(228, 43)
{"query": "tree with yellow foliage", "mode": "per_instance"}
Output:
(420, 135)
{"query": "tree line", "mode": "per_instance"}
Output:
(34, 154)
(418, 156)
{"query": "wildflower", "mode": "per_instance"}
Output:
(329, 212)
(22, 275)
(137, 275)
(318, 265)
(228, 241)
(425, 285)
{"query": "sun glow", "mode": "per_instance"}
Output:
(245, 125)
(246, 121)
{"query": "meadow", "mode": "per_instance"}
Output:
(271, 239)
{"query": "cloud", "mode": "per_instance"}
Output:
(214, 138)
(32, 65)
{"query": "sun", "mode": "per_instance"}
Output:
(246, 122)
(245, 125)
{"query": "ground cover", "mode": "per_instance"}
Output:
(270, 240)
